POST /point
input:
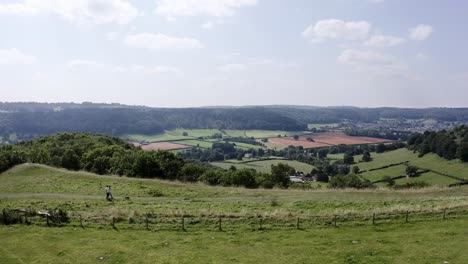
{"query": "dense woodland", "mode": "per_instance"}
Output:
(447, 144)
(31, 120)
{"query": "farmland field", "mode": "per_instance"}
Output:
(336, 138)
(162, 146)
(325, 139)
(428, 162)
(302, 141)
(262, 133)
(41, 187)
(265, 165)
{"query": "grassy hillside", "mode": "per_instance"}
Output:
(81, 194)
(428, 162)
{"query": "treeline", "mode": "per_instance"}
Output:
(447, 144)
(110, 155)
(118, 120)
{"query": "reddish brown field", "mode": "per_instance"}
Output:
(336, 138)
(326, 139)
(161, 146)
(302, 141)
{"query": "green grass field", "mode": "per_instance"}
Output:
(265, 165)
(427, 240)
(428, 162)
(41, 187)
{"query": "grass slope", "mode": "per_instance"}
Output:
(428, 162)
(265, 165)
(41, 187)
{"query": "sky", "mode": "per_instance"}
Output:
(188, 53)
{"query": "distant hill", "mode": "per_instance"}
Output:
(30, 120)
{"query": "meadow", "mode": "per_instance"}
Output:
(242, 238)
(437, 167)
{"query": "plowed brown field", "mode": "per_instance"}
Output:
(326, 139)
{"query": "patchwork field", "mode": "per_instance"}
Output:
(432, 162)
(241, 240)
(325, 139)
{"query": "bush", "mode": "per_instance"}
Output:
(350, 181)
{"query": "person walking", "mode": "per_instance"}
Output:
(107, 189)
(110, 194)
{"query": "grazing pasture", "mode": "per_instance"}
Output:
(242, 239)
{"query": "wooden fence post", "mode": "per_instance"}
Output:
(146, 220)
(406, 218)
(113, 223)
(47, 220)
(261, 222)
(373, 219)
(183, 223)
(445, 210)
(334, 220)
(298, 223)
(220, 228)
(81, 222)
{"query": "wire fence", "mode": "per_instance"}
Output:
(186, 222)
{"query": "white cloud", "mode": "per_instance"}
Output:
(112, 35)
(97, 11)
(15, 57)
(337, 29)
(90, 64)
(233, 67)
(381, 41)
(420, 32)
(371, 62)
(161, 42)
(20, 8)
(217, 8)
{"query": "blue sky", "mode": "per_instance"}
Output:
(178, 53)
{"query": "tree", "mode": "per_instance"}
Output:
(356, 169)
(462, 151)
(185, 134)
(389, 181)
(380, 148)
(280, 174)
(366, 157)
(348, 158)
(191, 172)
(211, 177)
(296, 137)
(411, 171)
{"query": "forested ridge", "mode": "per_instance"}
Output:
(31, 120)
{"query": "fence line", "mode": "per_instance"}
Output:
(186, 222)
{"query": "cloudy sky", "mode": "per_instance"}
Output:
(177, 53)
